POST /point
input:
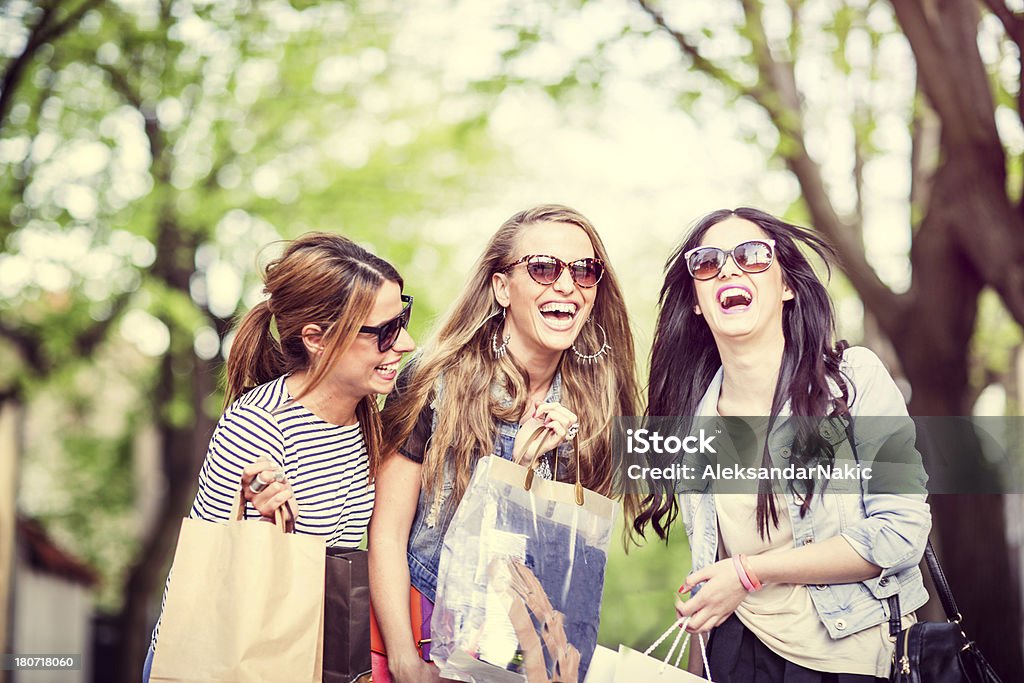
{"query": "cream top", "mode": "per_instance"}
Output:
(782, 616)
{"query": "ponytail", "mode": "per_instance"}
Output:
(255, 355)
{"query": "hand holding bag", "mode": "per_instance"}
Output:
(633, 666)
(936, 652)
(521, 576)
(245, 602)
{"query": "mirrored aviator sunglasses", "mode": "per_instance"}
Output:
(387, 333)
(755, 256)
(545, 270)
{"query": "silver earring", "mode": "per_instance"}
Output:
(593, 357)
(499, 350)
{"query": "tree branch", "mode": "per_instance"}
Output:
(119, 82)
(28, 346)
(57, 30)
(702, 64)
(1013, 24)
(938, 50)
(785, 110)
(925, 145)
(16, 68)
(29, 341)
(777, 94)
(46, 30)
(1012, 21)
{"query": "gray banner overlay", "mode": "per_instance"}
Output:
(898, 455)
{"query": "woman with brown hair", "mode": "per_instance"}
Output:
(303, 374)
(539, 337)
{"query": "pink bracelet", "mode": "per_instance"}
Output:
(742, 574)
(750, 572)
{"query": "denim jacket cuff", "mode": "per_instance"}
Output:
(884, 585)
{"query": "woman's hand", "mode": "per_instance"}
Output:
(413, 670)
(276, 493)
(717, 599)
(557, 421)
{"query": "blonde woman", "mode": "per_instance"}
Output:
(301, 422)
(539, 337)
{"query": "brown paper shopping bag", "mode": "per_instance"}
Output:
(635, 666)
(244, 603)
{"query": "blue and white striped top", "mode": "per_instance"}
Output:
(326, 464)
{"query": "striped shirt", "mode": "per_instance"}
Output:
(326, 465)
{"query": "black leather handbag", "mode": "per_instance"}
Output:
(933, 651)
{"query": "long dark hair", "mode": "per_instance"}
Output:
(685, 358)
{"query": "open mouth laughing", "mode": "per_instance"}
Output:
(559, 315)
(734, 299)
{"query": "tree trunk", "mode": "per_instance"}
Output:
(933, 345)
(10, 456)
(182, 450)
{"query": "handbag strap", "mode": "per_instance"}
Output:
(238, 513)
(931, 559)
(679, 627)
(942, 585)
(537, 437)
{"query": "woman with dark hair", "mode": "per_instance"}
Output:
(303, 375)
(793, 578)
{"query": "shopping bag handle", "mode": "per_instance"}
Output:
(537, 437)
(238, 513)
(680, 624)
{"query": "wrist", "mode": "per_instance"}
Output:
(751, 574)
(761, 569)
(741, 573)
(403, 661)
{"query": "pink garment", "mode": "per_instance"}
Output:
(380, 668)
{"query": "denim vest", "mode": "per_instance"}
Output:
(888, 530)
(434, 510)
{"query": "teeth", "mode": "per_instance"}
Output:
(558, 307)
(387, 368)
(733, 291)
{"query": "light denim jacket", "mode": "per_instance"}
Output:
(888, 530)
(434, 512)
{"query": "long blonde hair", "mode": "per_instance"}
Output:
(461, 352)
(323, 279)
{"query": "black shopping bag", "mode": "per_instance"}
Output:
(346, 616)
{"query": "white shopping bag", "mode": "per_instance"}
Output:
(632, 666)
(602, 666)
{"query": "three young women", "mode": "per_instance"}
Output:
(303, 374)
(793, 579)
(539, 337)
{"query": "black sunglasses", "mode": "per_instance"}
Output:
(755, 256)
(545, 270)
(387, 333)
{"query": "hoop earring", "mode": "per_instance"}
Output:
(499, 350)
(589, 358)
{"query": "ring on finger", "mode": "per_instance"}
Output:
(257, 484)
(573, 430)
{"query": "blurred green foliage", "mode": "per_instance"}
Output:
(155, 150)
